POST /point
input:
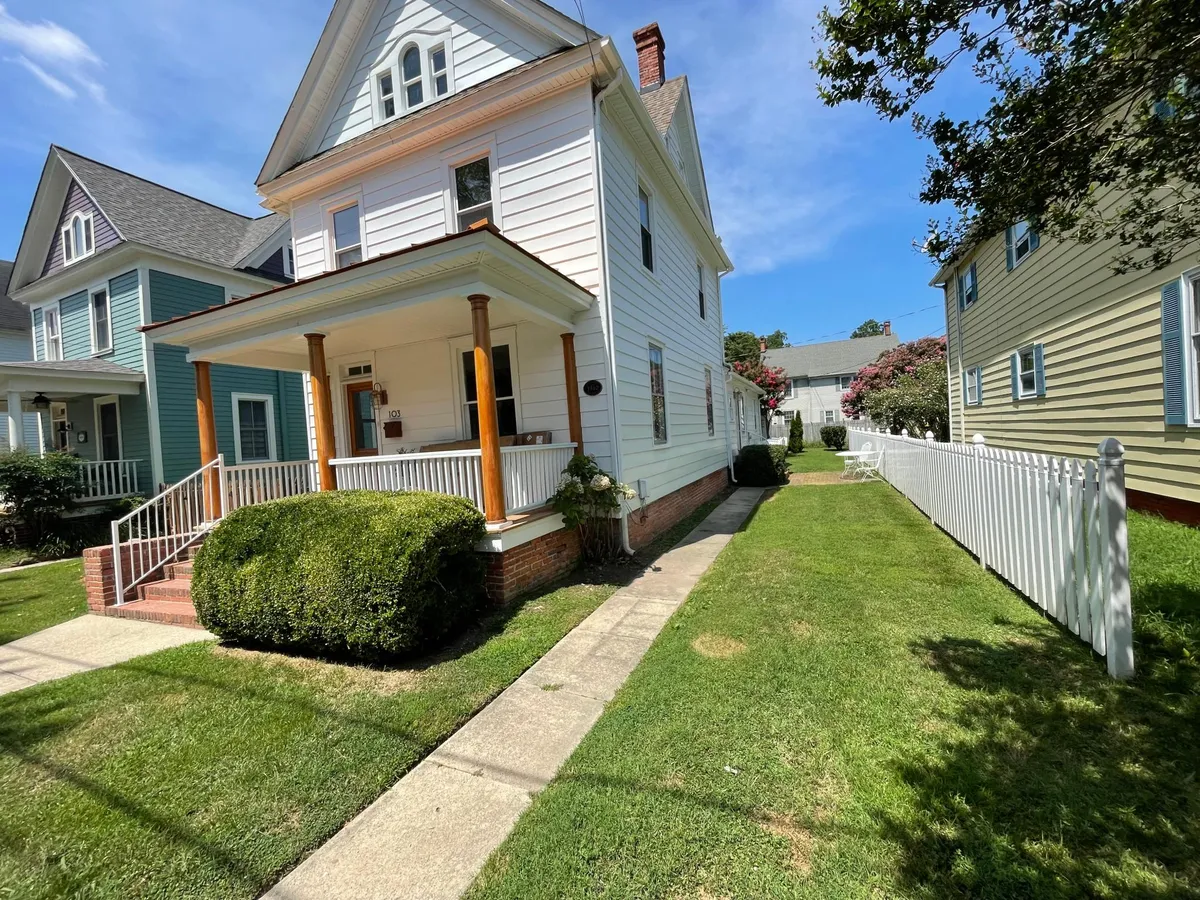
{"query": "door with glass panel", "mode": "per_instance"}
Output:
(506, 398)
(364, 430)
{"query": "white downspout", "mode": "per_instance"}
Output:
(606, 291)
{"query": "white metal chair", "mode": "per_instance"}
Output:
(851, 462)
(867, 468)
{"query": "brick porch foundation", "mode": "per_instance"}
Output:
(519, 570)
(665, 512)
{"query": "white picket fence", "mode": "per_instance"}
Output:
(1053, 527)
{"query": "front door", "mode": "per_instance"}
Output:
(364, 433)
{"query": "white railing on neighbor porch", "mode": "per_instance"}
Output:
(159, 530)
(252, 483)
(532, 473)
(109, 480)
(1055, 528)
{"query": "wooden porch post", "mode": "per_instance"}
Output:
(571, 374)
(208, 438)
(322, 410)
(494, 505)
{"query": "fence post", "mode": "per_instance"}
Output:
(977, 444)
(929, 437)
(1118, 612)
(903, 432)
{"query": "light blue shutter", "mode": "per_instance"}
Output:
(1014, 365)
(979, 386)
(1009, 253)
(974, 282)
(1174, 365)
(1039, 370)
(966, 401)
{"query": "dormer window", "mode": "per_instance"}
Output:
(414, 93)
(437, 71)
(78, 238)
(387, 96)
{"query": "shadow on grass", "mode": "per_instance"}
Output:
(1050, 780)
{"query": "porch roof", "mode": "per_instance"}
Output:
(59, 379)
(267, 329)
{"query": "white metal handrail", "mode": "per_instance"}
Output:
(253, 483)
(532, 473)
(164, 526)
(108, 479)
(1053, 527)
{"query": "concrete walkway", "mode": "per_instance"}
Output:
(430, 834)
(89, 642)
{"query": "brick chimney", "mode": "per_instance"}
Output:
(651, 48)
(887, 328)
(762, 344)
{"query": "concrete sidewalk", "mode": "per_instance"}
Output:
(89, 642)
(430, 834)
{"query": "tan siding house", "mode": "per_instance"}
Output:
(1050, 351)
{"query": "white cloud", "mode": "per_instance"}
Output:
(52, 54)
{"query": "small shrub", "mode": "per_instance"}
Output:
(796, 436)
(37, 490)
(834, 437)
(760, 465)
(587, 498)
(366, 574)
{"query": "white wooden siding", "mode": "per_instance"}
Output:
(662, 306)
(484, 43)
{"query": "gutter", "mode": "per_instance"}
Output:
(606, 291)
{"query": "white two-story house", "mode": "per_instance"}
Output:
(504, 255)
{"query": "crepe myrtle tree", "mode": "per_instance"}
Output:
(915, 360)
(1092, 127)
(772, 380)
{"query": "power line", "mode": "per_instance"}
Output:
(823, 337)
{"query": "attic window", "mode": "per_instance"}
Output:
(387, 96)
(437, 69)
(78, 238)
(414, 94)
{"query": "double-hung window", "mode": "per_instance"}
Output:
(968, 287)
(647, 232)
(973, 386)
(101, 322)
(410, 72)
(506, 394)
(438, 74)
(473, 193)
(1028, 372)
(347, 237)
(78, 238)
(50, 326)
(708, 402)
(253, 428)
(829, 416)
(1020, 241)
(658, 394)
(844, 382)
(387, 95)
(700, 282)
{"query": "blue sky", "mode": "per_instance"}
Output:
(816, 206)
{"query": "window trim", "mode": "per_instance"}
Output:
(444, 47)
(973, 378)
(504, 334)
(478, 207)
(427, 43)
(289, 259)
(828, 417)
(1011, 243)
(404, 82)
(55, 309)
(646, 229)
(68, 238)
(849, 379)
(1022, 394)
(92, 292)
(97, 402)
(710, 408)
(272, 441)
(653, 343)
(963, 302)
(334, 205)
(465, 154)
(1191, 350)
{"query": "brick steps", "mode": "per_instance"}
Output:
(165, 612)
(177, 590)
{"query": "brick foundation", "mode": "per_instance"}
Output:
(666, 512)
(521, 569)
(1182, 511)
(99, 579)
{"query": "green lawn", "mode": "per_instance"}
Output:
(33, 599)
(14, 556)
(209, 772)
(817, 459)
(848, 706)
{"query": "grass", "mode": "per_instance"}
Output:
(209, 772)
(849, 707)
(817, 459)
(14, 556)
(33, 599)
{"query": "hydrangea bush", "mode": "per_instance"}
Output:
(588, 498)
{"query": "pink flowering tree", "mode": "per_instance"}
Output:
(873, 392)
(771, 379)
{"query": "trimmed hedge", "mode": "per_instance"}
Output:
(834, 437)
(365, 574)
(760, 465)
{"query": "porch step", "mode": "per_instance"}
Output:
(165, 612)
(180, 571)
(176, 590)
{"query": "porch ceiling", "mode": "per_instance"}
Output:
(413, 295)
(64, 379)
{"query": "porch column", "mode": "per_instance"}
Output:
(571, 374)
(322, 410)
(494, 506)
(208, 438)
(16, 430)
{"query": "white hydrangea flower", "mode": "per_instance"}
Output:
(601, 483)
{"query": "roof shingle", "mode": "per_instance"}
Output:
(662, 102)
(13, 316)
(831, 358)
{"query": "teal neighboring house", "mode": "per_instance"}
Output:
(103, 253)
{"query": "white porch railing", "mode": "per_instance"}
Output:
(109, 480)
(253, 483)
(1055, 528)
(455, 472)
(163, 527)
(532, 473)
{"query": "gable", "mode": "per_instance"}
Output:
(482, 42)
(78, 201)
(684, 146)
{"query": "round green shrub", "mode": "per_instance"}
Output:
(761, 465)
(365, 574)
(834, 437)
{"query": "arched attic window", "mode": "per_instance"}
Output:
(410, 71)
(78, 238)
